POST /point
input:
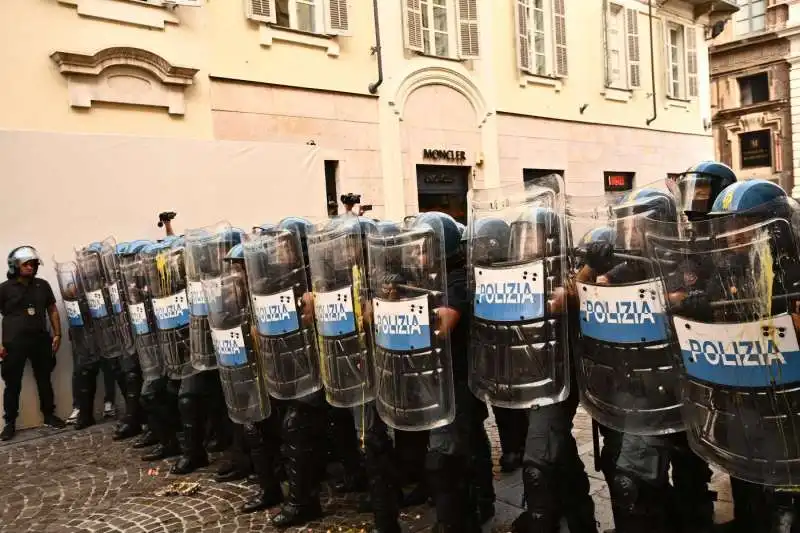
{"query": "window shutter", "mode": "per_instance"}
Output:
(606, 40)
(467, 22)
(412, 14)
(261, 10)
(336, 17)
(691, 59)
(634, 66)
(523, 36)
(560, 37)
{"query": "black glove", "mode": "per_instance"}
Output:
(600, 256)
(696, 304)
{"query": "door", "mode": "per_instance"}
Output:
(443, 188)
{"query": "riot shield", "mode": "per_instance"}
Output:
(732, 286)
(116, 296)
(234, 340)
(77, 310)
(516, 250)
(339, 281)
(106, 333)
(166, 279)
(205, 249)
(413, 364)
(140, 310)
(282, 308)
(626, 371)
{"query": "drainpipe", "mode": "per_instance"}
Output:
(652, 64)
(373, 87)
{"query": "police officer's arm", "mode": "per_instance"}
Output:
(55, 318)
(307, 310)
(457, 302)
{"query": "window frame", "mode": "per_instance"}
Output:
(681, 82)
(552, 47)
(331, 17)
(622, 46)
(748, 8)
(739, 81)
(450, 7)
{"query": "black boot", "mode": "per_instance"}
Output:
(456, 508)
(342, 433)
(541, 504)
(263, 453)
(303, 426)
(132, 422)
(481, 474)
(147, 439)
(161, 451)
(694, 503)
(193, 454)
(87, 378)
(575, 501)
(383, 490)
(639, 507)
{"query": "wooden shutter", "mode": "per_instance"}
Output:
(336, 17)
(691, 60)
(632, 38)
(261, 10)
(467, 29)
(412, 15)
(560, 38)
(523, 35)
(606, 48)
(667, 62)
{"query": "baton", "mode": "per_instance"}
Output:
(725, 303)
(429, 292)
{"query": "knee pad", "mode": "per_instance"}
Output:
(188, 405)
(624, 490)
(535, 476)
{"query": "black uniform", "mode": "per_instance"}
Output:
(24, 307)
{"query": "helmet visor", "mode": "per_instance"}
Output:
(695, 194)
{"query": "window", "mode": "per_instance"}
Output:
(542, 177)
(442, 28)
(753, 89)
(542, 37)
(329, 17)
(750, 17)
(622, 47)
(681, 60)
(331, 194)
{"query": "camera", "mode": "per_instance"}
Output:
(350, 199)
(166, 216)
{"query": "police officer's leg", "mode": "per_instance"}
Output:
(191, 407)
(508, 421)
(636, 469)
(694, 503)
(236, 464)
(554, 478)
(149, 437)
(13, 368)
(221, 427)
(449, 471)
(159, 399)
(263, 440)
(783, 511)
(42, 363)
(411, 448)
(382, 475)
(87, 391)
(132, 421)
(108, 368)
(347, 450)
(303, 431)
(481, 461)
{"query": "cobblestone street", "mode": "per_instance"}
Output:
(70, 482)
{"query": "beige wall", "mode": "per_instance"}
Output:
(129, 180)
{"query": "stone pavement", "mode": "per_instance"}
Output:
(70, 481)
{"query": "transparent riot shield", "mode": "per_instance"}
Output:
(413, 364)
(140, 310)
(283, 312)
(518, 347)
(106, 333)
(166, 278)
(116, 296)
(339, 281)
(234, 338)
(77, 310)
(205, 249)
(626, 371)
(732, 286)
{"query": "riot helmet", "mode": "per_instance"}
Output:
(489, 240)
(451, 232)
(634, 210)
(387, 227)
(535, 234)
(700, 186)
(19, 256)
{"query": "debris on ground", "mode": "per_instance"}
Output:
(179, 488)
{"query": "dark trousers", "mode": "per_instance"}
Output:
(37, 349)
(110, 369)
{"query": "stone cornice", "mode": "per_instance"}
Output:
(93, 65)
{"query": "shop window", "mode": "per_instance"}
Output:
(331, 189)
(329, 17)
(442, 28)
(755, 149)
(618, 181)
(753, 89)
(541, 177)
(542, 37)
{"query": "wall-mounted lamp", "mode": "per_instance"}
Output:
(311, 143)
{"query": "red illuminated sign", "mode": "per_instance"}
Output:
(618, 181)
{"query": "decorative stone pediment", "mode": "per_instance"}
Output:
(124, 75)
(136, 14)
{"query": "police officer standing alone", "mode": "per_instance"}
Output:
(24, 303)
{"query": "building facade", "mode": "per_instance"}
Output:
(256, 109)
(755, 101)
